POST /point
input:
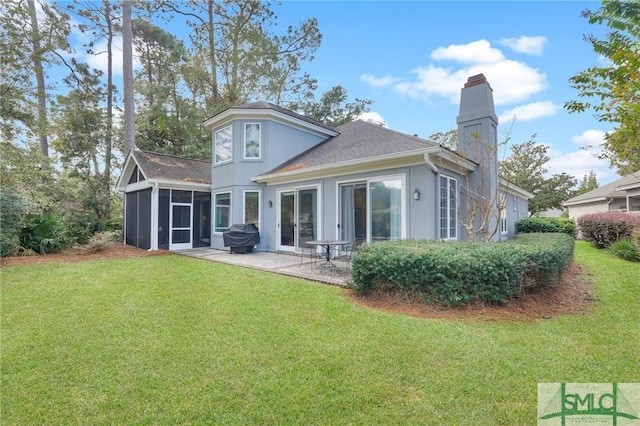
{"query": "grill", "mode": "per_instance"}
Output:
(241, 237)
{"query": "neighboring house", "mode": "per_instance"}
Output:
(622, 195)
(298, 179)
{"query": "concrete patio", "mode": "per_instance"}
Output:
(278, 263)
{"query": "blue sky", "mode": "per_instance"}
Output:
(412, 58)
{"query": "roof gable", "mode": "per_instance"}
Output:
(269, 110)
(165, 168)
(357, 140)
(610, 190)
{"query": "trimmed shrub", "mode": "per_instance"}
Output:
(547, 225)
(625, 249)
(453, 273)
(604, 229)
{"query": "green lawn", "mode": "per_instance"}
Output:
(174, 340)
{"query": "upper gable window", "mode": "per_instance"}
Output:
(136, 176)
(223, 145)
(252, 140)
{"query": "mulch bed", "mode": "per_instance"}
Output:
(78, 254)
(573, 295)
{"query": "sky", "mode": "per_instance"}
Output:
(411, 58)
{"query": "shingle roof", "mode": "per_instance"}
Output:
(270, 106)
(357, 140)
(609, 190)
(170, 168)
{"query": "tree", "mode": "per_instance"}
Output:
(33, 35)
(588, 183)
(525, 167)
(332, 108)
(127, 77)
(237, 55)
(613, 91)
(448, 139)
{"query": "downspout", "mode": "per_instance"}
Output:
(429, 161)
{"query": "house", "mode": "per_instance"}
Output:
(622, 195)
(298, 179)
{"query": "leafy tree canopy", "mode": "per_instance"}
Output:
(613, 91)
(525, 167)
(333, 108)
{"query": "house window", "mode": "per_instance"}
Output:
(503, 215)
(222, 211)
(448, 207)
(223, 145)
(252, 207)
(252, 140)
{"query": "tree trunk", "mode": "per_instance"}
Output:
(107, 158)
(41, 89)
(212, 57)
(127, 75)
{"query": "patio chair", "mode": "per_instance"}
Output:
(308, 252)
(350, 249)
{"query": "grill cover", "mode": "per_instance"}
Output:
(241, 235)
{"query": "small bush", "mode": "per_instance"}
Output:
(625, 249)
(457, 273)
(604, 229)
(101, 241)
(547, 225)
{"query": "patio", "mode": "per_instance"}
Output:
(278, 263)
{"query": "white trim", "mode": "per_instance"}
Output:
(214, 205)
(513, 189)
(318, 219)
(367, 181)
(244, 205)
(268, 114)
(376, 164)
(457, 199)
(215, 134)
(244, 141)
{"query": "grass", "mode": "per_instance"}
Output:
(174, 340)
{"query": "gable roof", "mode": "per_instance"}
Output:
(163, 168)
(615, 189)
(358, 140)
(274, 111)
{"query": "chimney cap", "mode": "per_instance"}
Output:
(474, 80)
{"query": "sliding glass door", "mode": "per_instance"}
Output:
(373, 210)
(298, 217)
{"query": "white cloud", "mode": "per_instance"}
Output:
(373, 117)
(512, 81)
(589, 138)
(578, 164)
(476, 52)
(531, 45)
(530, 111)
(378, 81)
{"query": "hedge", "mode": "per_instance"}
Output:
(451, 273)
(604, 229)
(546, 225)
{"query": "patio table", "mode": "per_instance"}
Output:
(328, 246)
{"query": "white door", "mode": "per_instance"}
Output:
(181, 222)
